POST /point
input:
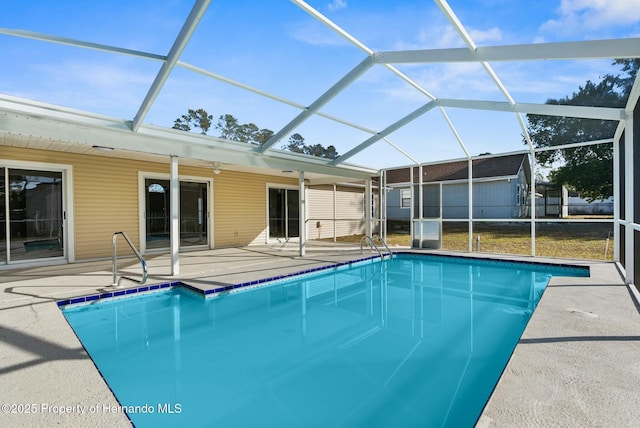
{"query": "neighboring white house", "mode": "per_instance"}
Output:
(558, 201)
(500, 189)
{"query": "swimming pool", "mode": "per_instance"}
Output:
(411, 341)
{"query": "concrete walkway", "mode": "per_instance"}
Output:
(577, 363)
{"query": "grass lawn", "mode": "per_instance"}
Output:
(563, 240)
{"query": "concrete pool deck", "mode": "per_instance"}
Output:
(577, 363)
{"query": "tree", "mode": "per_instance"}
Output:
(230, 128)
(296, 144)
(194, 118)
(587, 169)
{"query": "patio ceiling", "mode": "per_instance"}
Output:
(24, 122)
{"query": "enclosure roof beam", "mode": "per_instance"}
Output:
(388, 130)
(199, 8)
(270, 96)
(331, 93)
(581, 50)
(453, 19)
(632, 101)
(574, 145)
(326, 21)
(407, 155)
(182, 64)
(79, 43)
(603, 113)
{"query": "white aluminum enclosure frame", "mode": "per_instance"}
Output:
(46, 122)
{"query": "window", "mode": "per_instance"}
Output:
(405, 198)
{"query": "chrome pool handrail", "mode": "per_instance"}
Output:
(385, 244)
(373, 244)
(114, 240)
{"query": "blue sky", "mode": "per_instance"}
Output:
(276, 47)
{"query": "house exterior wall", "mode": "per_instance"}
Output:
(240, 201)
(491, 199)
(581, 206)
(106, 198)
(394, 205)
(349, 211)
(350, 215)
(321, 219)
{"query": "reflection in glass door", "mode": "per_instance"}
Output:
(3, 218)
(284, 220)
(157, 213)
(32, 204)
(193, 215)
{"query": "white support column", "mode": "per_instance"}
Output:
(302, 214)
(420, 205)
(470, 178)
(367, 207)
(411, 208)
(382, 205)
(617, 197)
(533, 203)
(174, 214)
(628, 199)
(335, 220)
(440, 214)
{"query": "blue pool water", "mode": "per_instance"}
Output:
(413, 341)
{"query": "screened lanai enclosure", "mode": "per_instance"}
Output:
(428, 105)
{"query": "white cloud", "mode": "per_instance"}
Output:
(486, 36)
(108, 87)
(593, 14)
(445, 36)
(336, 5)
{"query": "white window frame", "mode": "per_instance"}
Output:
(402, 198)
(142, 176)
(306, 214)
(69, 254)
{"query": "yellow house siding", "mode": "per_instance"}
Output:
(240, 207)
(106, 200)
(105, 193)
(349, 211)
(320, 212)
(350, 215)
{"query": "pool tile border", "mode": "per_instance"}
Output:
(206, 293)
(116, 293)
(278, 278)
(498, 260)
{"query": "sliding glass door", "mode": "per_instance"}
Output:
(3, 217)
(193, 216)
(284, 209)
(31, 214)
(157, 213)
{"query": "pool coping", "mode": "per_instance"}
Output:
(211, 292)
(521, 396)
(247, 285)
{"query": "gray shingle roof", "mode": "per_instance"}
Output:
(500, 166)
